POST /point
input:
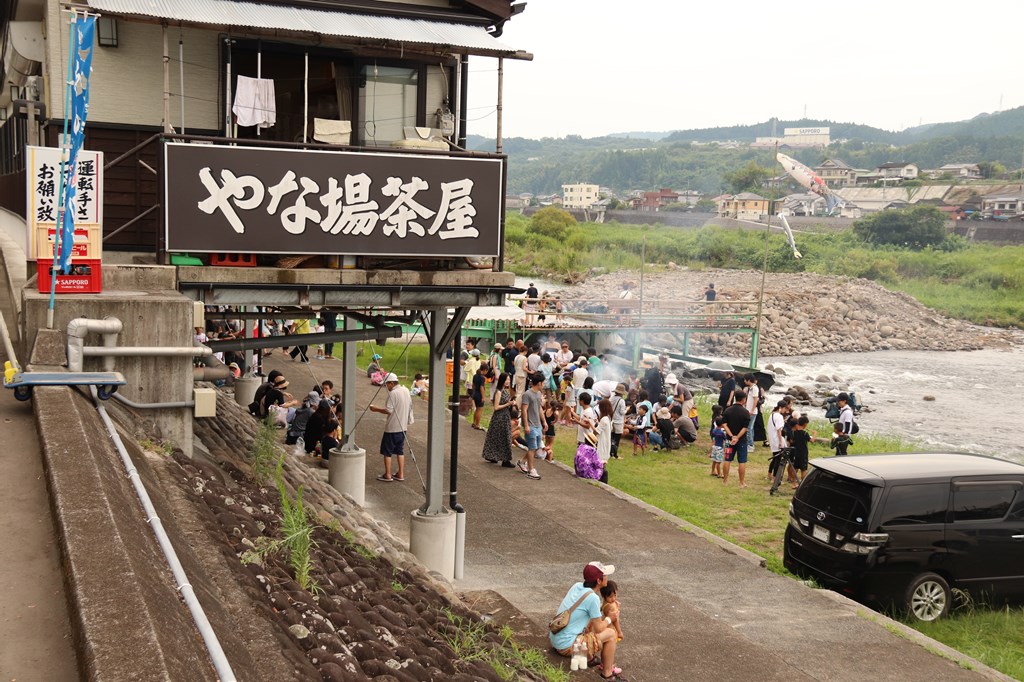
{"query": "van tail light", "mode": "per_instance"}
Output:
(873, 540)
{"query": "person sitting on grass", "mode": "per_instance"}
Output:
(683, 425)
(589, 633)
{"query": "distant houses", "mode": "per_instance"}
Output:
(580, 195)
(835, 173)
(652, 202)
(742, 206)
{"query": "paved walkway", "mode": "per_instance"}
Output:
(35, 637)
(693, 609)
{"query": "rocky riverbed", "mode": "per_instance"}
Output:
(803, 313)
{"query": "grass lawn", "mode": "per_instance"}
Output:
(395, 357)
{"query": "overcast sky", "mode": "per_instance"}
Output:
(656, 65)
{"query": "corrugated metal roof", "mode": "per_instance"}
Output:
(323, 22)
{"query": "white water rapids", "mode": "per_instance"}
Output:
(978, 395)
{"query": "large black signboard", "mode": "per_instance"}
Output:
(263, 200)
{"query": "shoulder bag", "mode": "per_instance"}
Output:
(561, 620)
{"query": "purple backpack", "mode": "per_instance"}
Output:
(588, 464)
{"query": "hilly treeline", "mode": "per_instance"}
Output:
(689, 159)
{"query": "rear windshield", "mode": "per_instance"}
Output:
(837, 496)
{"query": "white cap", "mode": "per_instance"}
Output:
(391, 378)
(671, 379)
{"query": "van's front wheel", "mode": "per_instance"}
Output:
(928, 597)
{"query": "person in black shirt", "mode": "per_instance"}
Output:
(509, 356)
(318, 425)
(840, 442)
(799, 443)
(725, 395)
(710, 295)
(654, 383)
(737, 419)
(477, 393)
(330, 322)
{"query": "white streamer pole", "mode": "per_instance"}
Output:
(181, 79)
(305, 100)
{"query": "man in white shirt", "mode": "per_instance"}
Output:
(399, 413)
(587, 420)
(776, 439)
(579, 375)
(753, 398)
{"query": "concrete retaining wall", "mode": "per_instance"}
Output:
(162, 318)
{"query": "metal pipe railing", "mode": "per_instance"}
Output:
(217, 656)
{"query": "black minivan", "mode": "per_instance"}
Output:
(904, 529)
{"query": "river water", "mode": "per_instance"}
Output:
(972, 389)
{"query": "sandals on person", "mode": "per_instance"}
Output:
(615, 671)
(385, 479)
(614, 677)
(400, 479)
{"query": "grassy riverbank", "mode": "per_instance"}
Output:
(981, 283)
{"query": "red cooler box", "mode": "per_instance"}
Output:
(86, 277)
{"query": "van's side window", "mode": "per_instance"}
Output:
(909, 505)
(981, 504)
(1017, 513)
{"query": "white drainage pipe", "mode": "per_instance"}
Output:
(79, 328)
(217, 656)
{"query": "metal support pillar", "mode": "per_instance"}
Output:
(436, 321)
(754, 339)
(348, 389)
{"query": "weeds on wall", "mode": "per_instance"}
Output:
(263, 452)
(296, 532)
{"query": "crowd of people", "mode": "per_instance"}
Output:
(533, 389)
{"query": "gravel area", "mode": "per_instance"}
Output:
(805, 313)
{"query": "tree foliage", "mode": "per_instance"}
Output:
(915, 227)
(705, 205)
(749, 178)
(552, 221)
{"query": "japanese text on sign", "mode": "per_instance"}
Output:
(43, 177)
(250, 199)
(347, 208)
